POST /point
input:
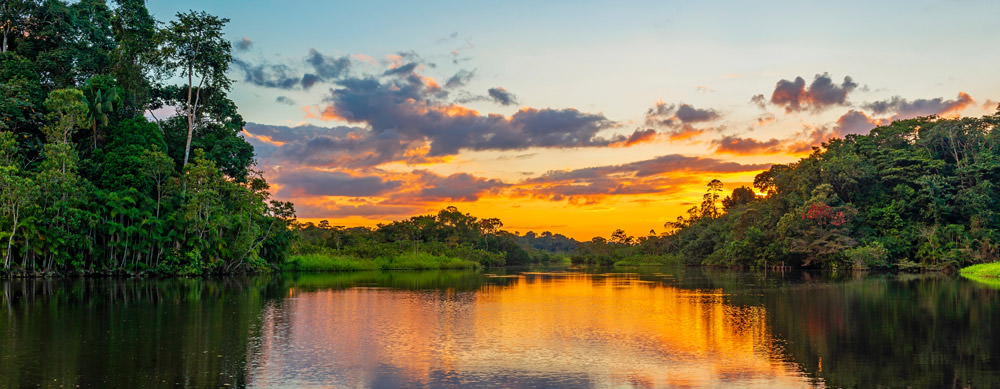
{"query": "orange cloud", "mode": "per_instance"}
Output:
(262, 138)
(419, 155)
(637, 137)
(765, 120)
(431, 83)
(454, 110)
(685, 133)
(395, 61)
(327, 113)
(364, 58)
(964, 100)
(906, 109)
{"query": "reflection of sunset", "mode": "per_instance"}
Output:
(602, 330)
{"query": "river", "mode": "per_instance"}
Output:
(651, 327)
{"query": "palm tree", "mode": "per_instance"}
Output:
(102, 95)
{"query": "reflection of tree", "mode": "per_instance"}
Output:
(130, 333)
(460, 280)
(899, 333)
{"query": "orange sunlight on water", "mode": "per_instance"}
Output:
(553, 329)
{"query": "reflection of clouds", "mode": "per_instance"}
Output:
(571, 329)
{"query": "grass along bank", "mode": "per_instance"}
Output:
(406, 261)
(987, 273)
(648, 260)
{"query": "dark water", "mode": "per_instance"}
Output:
(663, 328)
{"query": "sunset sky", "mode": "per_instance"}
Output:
(577, 117)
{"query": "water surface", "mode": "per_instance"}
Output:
(675, 327)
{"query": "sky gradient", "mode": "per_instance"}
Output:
(577, 117)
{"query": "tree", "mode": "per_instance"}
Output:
(67, 112)
(709, 207)
(16, 192)
(819, 229)
(94, 38)
(194, 45)
(13, 15)
(740, 196)
(20, 93)
(158, 166)
(133, 59)
(488, 227)
(72, 65)
(102, 96)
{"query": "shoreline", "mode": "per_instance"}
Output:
(430, 262)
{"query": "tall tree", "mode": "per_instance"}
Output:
(709, 204)
(133, 59)
(194, 45)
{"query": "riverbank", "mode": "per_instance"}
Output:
(649, 260)
(321, 262)
(987, 273)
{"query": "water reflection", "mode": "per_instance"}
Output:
(892, 331)
(662, 327)
(127, 333)
(567, 329)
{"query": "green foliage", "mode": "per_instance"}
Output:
(986, 273)
(193, 47)
(871, 256)
(114, 198)
(102, 96)
(411, 243)
(67, 113)
(918, 194)
(327, 262)
(648, 260)
(20, 95)
(404, 261)
(547, 242)
(134, 57)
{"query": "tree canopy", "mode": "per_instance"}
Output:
(88, 184)
(917, 193)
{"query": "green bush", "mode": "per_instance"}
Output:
(872, 255)
(987, 273)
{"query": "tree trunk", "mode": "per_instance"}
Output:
(10, 243)
(158, 124)
(190, 117)
(192, 111)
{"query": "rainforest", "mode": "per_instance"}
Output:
(94, 181)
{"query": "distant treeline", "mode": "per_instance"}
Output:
(919, 193)
(88, 184)
(449, 233)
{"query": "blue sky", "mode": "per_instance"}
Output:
(614, 58)
(614, 63)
